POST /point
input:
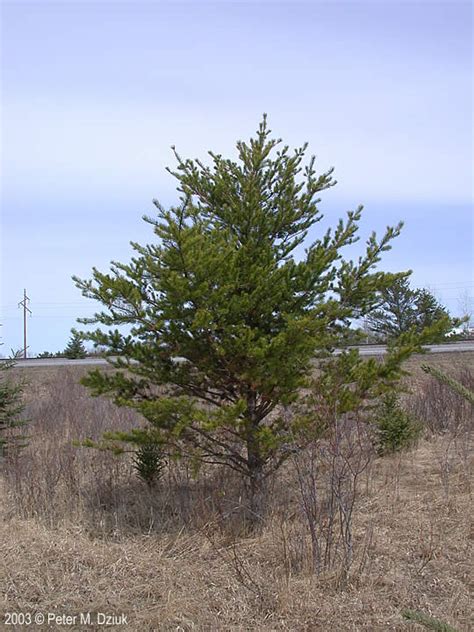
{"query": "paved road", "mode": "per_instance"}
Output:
(368, 350)
(450, 347)
(57, 362)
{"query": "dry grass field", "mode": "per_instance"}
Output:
(80, 533)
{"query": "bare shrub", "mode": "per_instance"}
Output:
(328, 474)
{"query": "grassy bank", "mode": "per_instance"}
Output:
(80, 532)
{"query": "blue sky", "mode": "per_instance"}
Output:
(94, 94)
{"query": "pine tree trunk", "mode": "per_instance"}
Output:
(255, 463)
(257, 495)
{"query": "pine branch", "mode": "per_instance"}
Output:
(428, 622)
(453, 384)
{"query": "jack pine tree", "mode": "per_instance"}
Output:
(11, 408)
(224, 321)
(75, 348)
(403, 309)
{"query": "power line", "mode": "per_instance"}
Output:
(448, 286)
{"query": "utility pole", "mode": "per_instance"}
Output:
(23, 304)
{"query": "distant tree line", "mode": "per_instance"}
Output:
(75, 349)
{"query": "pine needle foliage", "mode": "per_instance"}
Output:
(226, 311)
(149, 463)
(396, 430)
(453, 384)
(11, 407)
(403, 309)
(426, 621)
(75, 349)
